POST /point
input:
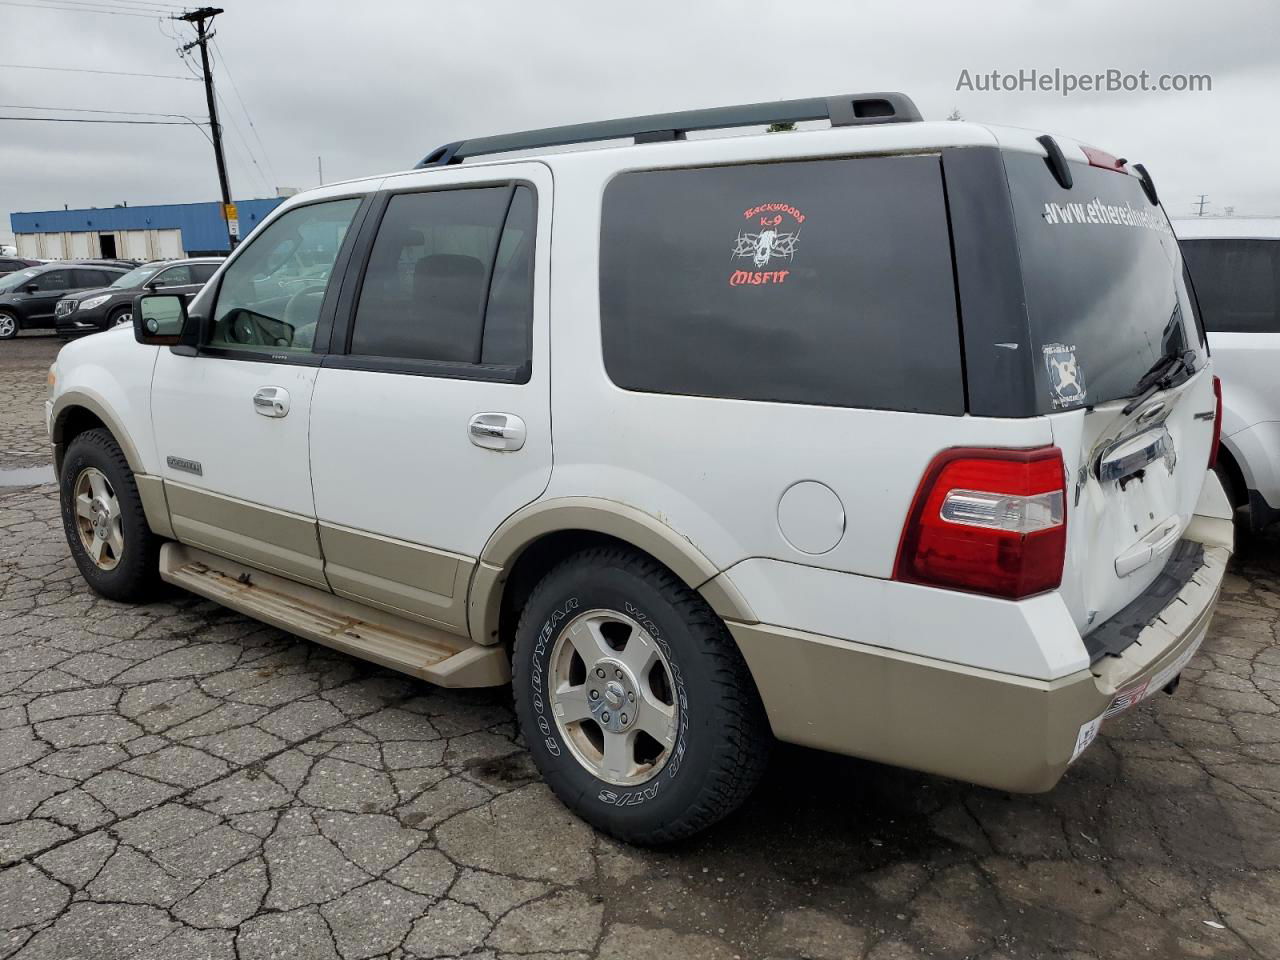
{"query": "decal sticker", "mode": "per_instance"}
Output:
(1066, 379)
(1088, 733)
(772, 234)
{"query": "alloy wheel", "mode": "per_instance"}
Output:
(98, 518)
(613, 697)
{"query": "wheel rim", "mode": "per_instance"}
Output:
(124, 317)
(7, 325)
(613, 697)
(98, 518)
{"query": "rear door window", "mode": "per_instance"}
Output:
(93, 278)
(450, 281)
(1237, 283)
(1103, 279)
(819, 282)
(201, 272)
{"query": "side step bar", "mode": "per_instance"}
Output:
(401, 644)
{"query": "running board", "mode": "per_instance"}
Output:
(362, 631)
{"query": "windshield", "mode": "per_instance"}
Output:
(15, 280)
(136, 277)
(1103, 280)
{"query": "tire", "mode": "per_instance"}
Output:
(9, 325)
(718, 738)
(129, 566)
(117, 316)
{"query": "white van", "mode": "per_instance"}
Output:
(1235, 269)
(889, 438)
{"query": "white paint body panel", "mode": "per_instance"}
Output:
(391, 453)
(114, 369)
(202, 409)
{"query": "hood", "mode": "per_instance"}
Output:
(97, 292)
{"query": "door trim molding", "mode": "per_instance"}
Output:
(272, 540)
(404, 578)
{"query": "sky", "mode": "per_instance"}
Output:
(371, 87)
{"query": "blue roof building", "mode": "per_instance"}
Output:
(137, 233)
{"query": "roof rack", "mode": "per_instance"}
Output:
(850, 110)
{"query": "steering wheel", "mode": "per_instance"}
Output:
(303, 310)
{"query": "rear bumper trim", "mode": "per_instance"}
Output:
(1114, 636)
(995, 729)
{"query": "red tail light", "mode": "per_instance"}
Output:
(1217, 423)
(992, 521)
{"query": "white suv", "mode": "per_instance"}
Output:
(889, 439)
(1235, 269)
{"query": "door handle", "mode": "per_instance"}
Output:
(497, 431)
(271, 401)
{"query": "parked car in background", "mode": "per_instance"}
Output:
(88, 311)
(28, 297)
(10, 264)
(1235, 269)
(925, 482)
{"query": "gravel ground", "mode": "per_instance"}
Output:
(177, 781)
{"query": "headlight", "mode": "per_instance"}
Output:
(94, 302)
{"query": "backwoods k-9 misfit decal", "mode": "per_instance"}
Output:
(772, 236)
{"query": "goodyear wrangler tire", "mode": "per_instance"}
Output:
(634, 700)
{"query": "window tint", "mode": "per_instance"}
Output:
(93, 278)
(271, 295)
(1103, 280)
(53, 280)
(201, 272)
(1237, 283)
(173, 277)
(428, 280)
(822, 282)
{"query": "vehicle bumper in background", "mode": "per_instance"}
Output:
(999, 730)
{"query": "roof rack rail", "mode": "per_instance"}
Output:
(846, 111)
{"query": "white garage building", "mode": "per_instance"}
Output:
(132, 233)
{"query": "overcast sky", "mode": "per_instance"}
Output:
(372, 86)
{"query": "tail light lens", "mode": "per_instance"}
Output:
(991, 521)
(1217, 423)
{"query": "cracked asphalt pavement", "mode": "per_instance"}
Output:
(177, 781)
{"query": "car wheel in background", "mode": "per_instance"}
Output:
(8, 325)
(632, 697)
(118, 555)
(120, 315)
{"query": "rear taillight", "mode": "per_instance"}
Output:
(992, 521)
(1217, 423)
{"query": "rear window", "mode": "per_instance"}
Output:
(1103, 279)
(820, 282)
(1237, 283)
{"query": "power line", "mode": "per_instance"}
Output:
(252, 126)
(127, 113)
(108, 13)
(143, 123)
(109, 73)
(144, 6)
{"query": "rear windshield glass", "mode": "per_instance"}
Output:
(1237, 283)
(821, 282)
(1103, 280)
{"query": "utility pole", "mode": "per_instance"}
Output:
(1201, 204)
(201, 18)
(320, 170)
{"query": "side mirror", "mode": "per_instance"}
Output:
(30, 287)
(158, 319)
